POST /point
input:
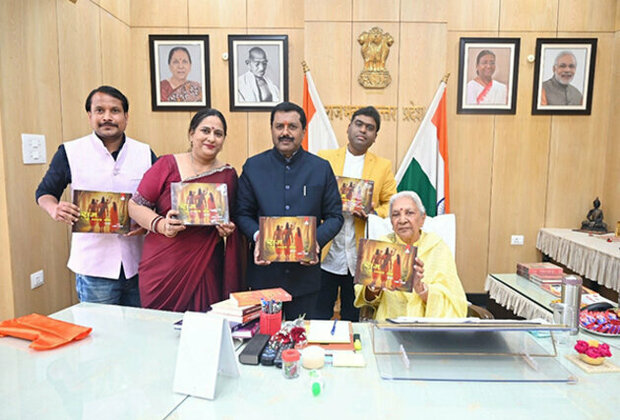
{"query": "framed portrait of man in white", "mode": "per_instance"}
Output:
(258, 71)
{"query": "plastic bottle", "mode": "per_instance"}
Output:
(316, 382)
(571, 298)
(290, 363)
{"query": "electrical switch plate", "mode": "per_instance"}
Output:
(33, 148)
(516, 240)
(36, 279)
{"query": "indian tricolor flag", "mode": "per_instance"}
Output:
(425, 167)
(319, 132)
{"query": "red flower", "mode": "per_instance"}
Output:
(581, 346)
(593, 352)
(604, 350)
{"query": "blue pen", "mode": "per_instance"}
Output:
(334, 327)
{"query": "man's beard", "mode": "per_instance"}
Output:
(561, 81)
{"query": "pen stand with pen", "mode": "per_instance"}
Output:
(270, 317)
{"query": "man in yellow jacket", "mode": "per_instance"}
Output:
(339, 257)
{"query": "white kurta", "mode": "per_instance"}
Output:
(94, 169)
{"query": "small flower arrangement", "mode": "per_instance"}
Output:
(592, 351)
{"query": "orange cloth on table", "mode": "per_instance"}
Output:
(46, 333)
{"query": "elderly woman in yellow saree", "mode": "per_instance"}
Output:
(437, 290)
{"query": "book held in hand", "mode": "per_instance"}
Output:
(385, 265)
(200, 203)
(101, 212)
(356, 194)
(287, 239)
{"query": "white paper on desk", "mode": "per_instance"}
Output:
(347, 358)
(321, 332)
(205, 350)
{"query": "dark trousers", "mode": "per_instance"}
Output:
(300, 305)
(329, 292)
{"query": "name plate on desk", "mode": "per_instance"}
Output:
(206, 349)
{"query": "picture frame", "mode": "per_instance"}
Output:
(488, 75)
(563, 89)
(180, 72)
(257, 71)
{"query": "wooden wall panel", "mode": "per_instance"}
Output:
(79, 54)
(165, 131)
(578, 147)
(235, 149)
(327, 10)
(275, 14)
(159, 13)
(328, 53)
(422, 47)
(376, 11)
(520, 161)
(31, 107)
(516, 15)
(115, 52)
(470, 148)
(120, 9)
(611, 206)
(586, 15)
(377, 97)
(473, 15)
(7, 306)
(217, 14)
(424, 11)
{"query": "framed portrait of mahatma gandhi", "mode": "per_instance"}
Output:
(258, 71)
(179, 72)
(488, 75)
(564, 76)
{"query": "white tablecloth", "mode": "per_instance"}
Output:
(587, 255)
(514, 301)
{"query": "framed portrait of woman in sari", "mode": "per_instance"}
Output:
(179, 72)
(488, 75)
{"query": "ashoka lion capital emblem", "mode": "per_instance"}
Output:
(375, 50)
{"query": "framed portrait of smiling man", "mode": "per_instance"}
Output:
(564, 76)
(258, 71)
(488, 75)
(179, 72)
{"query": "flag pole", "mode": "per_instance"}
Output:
(306, 69)
(444, 80)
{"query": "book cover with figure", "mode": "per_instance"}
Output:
(287, 239)
(200, 203)
(356, 194)
(101, 212)
(385, 265)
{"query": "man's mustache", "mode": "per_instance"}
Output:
(287, 138)
(108, 124)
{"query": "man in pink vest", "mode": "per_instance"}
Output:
(105, 265)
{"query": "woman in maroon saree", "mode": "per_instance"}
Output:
(187, 267)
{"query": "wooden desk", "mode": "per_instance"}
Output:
(590, 256)
(125, 371)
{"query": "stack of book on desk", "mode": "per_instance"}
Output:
(541, 273)
(236, 314)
